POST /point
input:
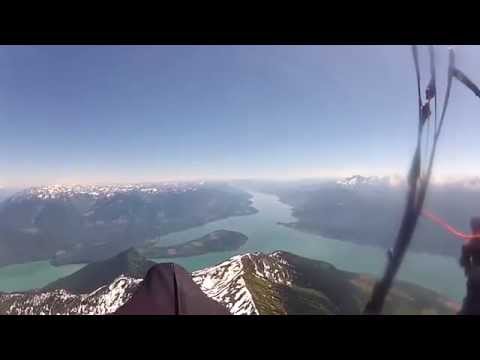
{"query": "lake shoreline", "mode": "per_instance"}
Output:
(293, 225)
(216, 241)
(266, 235)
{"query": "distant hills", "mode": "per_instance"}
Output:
(82, 224)
(252, 283)
(367, 210)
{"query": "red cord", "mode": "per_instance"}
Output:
(449, 228)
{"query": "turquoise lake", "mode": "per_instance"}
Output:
(439, 273)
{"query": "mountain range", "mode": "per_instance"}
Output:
(252, 283)
(81, 224)
(368, 210)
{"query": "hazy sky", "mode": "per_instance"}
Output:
(140, 113)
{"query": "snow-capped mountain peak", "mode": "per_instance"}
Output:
(252, 283)
(226, 282)
(105, 300)
(94, 192)
(359, 180)
(229, 283)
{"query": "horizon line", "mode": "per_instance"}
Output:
(435, 179)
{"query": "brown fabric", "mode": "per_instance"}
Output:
(470, 261)
(168, 289)
(475, 224)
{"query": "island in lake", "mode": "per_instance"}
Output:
(216, 241)
(78, 228)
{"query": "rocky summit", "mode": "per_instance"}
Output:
(279, 283)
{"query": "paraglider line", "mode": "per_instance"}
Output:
(449, 228)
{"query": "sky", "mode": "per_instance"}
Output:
(90, 114)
